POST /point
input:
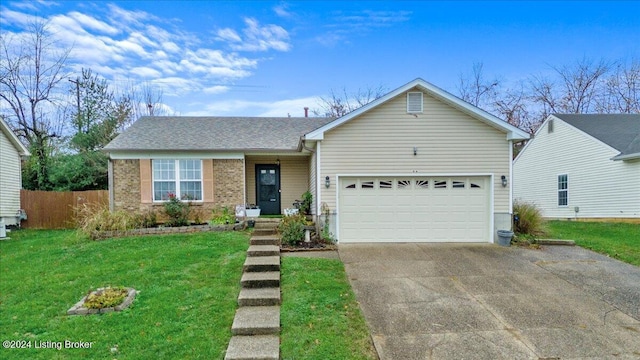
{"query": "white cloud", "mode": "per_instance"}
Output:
(93, 23)
(256, 37)
(127, 18)
(228, 35)
(14, 17)
(347, 25)
(282, 10)
(137, 46)
(146, 72)
(216, 89)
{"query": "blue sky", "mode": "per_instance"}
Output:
(264, 58)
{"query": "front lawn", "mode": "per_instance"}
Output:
(188, 287)
(618, 240)
(320, 316)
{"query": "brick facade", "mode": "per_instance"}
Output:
(228, 188)
(126, 185)
(228, 182)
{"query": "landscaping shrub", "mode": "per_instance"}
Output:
(177, 211)
(223, 216)
(148, 219)
(291, 229)
(530, 221)
(106, 298)
(305, 204)
(91, 218)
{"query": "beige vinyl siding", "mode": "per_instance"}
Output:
(600, 187)
(448, 142)
(10, 179)
(294, 177)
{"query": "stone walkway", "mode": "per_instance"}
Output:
(256, 326)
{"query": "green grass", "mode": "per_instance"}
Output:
(188, 286)
(618, 240)
(319, 314)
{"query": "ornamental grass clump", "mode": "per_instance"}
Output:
(105, 298)
(528, 219)
(95, 218)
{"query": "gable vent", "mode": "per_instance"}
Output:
(414, 102)
(550, 126)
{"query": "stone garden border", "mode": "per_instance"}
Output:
(104, 235)
(79, 309)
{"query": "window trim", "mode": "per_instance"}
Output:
(177, 180)
(565, 190)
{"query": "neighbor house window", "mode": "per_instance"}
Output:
(563, 190)
(180, 178)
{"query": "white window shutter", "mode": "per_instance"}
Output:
(414, 102)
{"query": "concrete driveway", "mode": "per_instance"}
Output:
(450, 301)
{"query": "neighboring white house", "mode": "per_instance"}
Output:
(11, 153)
(582, 166)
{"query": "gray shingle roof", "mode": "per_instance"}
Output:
(620, 131)
(214, 133)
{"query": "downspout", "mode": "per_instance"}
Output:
(303, 145)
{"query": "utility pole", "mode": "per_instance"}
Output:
(77, 82)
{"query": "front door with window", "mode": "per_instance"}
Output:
(268, 189)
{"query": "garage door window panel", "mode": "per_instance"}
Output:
(404, 184)
(422, 184)
(440, 184)
(367, 185)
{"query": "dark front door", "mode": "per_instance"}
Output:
(268, 189)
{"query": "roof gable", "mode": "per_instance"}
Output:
(619, 131)
(513, 133)
(189, 133)
(13, 139)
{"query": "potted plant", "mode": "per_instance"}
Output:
(252, 210)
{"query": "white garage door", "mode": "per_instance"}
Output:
(414, 209)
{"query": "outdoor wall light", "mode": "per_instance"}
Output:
(278, 161)
(504, 181)
(415, 151)
(327, 182)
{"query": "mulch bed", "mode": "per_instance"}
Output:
(311, 246)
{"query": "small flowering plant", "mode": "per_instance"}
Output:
(177, 210)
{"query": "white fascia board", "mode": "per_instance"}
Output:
(132, 155)
(626, 157)
(17, 144)
(513, 133)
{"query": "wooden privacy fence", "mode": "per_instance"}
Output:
(56, 210)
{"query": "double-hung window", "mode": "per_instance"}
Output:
(179, 178)
(563, 190)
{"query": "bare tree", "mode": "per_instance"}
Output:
(575, 90)
(338, 104)
(30, 72)
(511, 105)
(621, 90)
(477, 90)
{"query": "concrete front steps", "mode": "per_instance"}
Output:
(256, 326)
